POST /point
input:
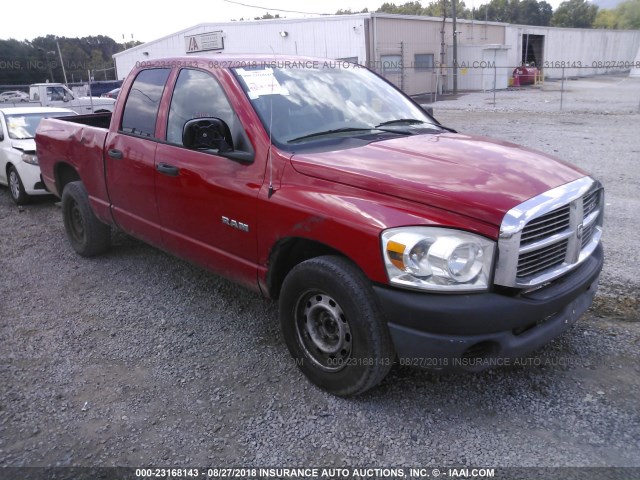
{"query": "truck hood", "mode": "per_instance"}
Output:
(26, 145)
(474, 176)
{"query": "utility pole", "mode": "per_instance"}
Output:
(402, 66)
(64, 72)
(443, 46)
(455, 47)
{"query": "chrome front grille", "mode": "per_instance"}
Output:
(537, 261)
(546, 225)
(590, 202)
(587, 234)
(548, 235)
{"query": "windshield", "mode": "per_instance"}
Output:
(317, 101)
(22, 127)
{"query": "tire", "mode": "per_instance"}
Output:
(333, 326)
(88, 235)
(16, 188)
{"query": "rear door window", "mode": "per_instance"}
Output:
(141, 109)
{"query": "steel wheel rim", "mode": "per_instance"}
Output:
(14, 184)
(76, 224)
(323, 331)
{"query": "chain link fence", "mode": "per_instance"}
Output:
(603, 87)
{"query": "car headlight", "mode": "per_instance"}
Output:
(434, 258)
(30, 158)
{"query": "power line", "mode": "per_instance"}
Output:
(274, 9)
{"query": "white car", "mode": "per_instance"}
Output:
(14, 96)
(19, 168)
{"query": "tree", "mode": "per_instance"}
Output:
(347, 11)
(434, 9)
(36, 60)
(575, 13)
(545, 13)
(16, 57)
(409, 8)
(267, 16)
(628, 15)
(532, 12)
(524, 12)
(606, 19)
(625, 16)
(496, 11)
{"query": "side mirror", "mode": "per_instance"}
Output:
(1, 135)
(209, 133)
(65, 98)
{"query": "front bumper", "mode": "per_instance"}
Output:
(476, 331)
(31, 179)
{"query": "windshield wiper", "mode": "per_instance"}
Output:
(448, 129)
(330, 132)
(414, 121)
(410, 121)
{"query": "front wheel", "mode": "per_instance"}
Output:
(333, 326)
(88, 235)
(16, 188)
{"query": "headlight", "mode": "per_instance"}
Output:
(441, 259)
(30, 158)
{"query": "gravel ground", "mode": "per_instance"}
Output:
(138, 359)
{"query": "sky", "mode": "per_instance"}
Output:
(144, 21)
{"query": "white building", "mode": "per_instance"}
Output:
(414, 52)
(635, 70)
(581, 51)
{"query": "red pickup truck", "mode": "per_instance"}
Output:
(386, 236)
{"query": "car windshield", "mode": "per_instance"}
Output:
(23, 126)
(309, 101)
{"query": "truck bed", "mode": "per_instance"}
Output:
(78, 141)
(99, 120)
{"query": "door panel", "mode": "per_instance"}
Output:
(207, 203)
(131, 183)
(194, 204)
(130, 159)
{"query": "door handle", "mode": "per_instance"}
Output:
(167, 169)
(115, 154)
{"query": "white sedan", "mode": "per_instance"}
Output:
(19, 168)
(14, 96)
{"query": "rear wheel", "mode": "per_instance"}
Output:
(16, 188)
(333, 326)
(88, 235)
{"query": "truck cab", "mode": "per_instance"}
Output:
(59, 95)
